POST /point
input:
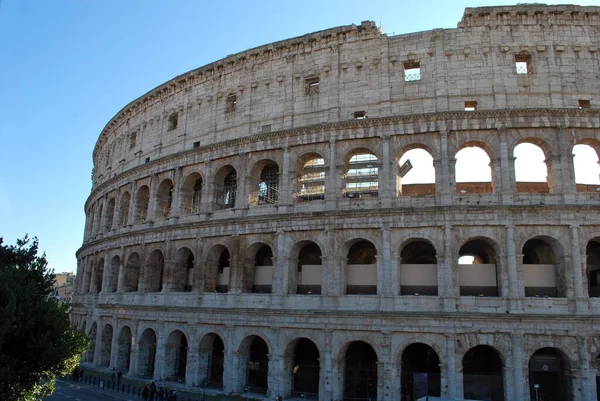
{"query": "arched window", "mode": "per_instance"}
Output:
(124, 209)
(164, 199)
(477, 269)
(416, 174)
(267, 190)
(226, 188)
(309, 269)
(587, 170)
(473, 171)
(531, 172)
(362, 268)
(311, 178)
(361, 178)
(110, 214)
(262, 270)
(143, 199)
(360, 372)
(418, 269)
(483, 374)
(191, 194)
(544, 270)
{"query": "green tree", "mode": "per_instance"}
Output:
(37, 341)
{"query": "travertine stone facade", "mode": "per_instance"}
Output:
(248, 226)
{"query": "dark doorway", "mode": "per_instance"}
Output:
(420, 372)
(360, 372)
(258, 366)
(551, 372)
(305, 370)
(482, 374)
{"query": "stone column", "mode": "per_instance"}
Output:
(114, 343)
(385, 190)
(285, 178)
(326, 377)
(192, 377)
(135, 353)
(161, 354)
(333, 178)
(230, 365)
(105, 273)
(176, 205)
(132, 205)
(98, 343)
(443, 177)
(209, 189)
(567, 169)
(514, 289)
(449, 284)
(275, 376)
(384, 285)
(281, 266)
(586, 377)
(395, 267)
(153, 199)
(242, 200)
(576, 264)
(451, 365)
(517, 365)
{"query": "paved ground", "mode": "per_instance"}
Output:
(73, 391)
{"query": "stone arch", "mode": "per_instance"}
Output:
(359, 367)
(544, 267)
(99, 276)
(142, 202)
(164, 199)
(306, 260)
(592, 251)
(87, 278)
(109, 215)
(480, 275)
(529, 166)
(254, 363)
(302, 368)
(226, 184)
(183, 274)
(361, 174)
(473, 177)
(211, 360)
(418, 267)
(191, 193)
(147, 353)
(124, 204)
(550, 369)
(586, 166)
(176, 352)
(132, 273)
(124, 345)
(100, 215)
(420, 364)
(154, 272)
(258, 269)
(218, 269)
(113, 274)
(361, 267)
(415, 171)
(264, 183)
(483, 376)
(89, 355)
(106, 345)
(311, 176)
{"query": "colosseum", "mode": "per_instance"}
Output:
(295, 220)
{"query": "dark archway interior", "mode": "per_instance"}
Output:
(310, 255)
(215, 370)
(483, 253)
(223, 263)
(420, 372)
(592, 251)
(360, 372)
(306, 369)
(418, 253)
(482, 374)
(539, 252)
(258, 366)
(362, 253)
(147, 354)
(549, 370)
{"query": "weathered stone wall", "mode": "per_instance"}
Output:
(154, 273)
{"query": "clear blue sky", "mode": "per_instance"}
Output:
(67, 66)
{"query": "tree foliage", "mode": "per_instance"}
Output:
(37, 341)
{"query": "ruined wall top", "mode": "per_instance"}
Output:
(530, 14)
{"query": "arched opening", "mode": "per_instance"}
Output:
(99, 275)
(90, 221)
(482, 374)
(98, 221)
(531, 172)
(261, 270)
(191, 194)
(124, 209)
(164, 199)
(105, 345)
(360, 372)
(311, 178)
(147, 354)
(543, 275)
(124, 350)
(550, 376)
(217, 270)
(420, 372)
(361, 175)
(256, 351)
(142, 200)
(592, 251)
(361, 269)
(212, 351)
(184, 270)
(225, 188)
(308, 275)
(418, 269)
(132, 273)
(89, 354)
(304, 368)
(415, 175)
(86, 284)
(110, 214)
(587, 169)
(113, 274)
(155, 271)
(477, 270)
(176, 350)
(265, 178)
(473, 170)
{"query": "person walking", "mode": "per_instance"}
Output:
(145, 393)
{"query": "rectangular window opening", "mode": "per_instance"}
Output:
(231, 104)
(360, 115)
(265, 129)
(147, 160)
(523, 64)
(584, 104)
(196, 144)
(470, 106)
(311, 86)
(412, 71)
(173, 120)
